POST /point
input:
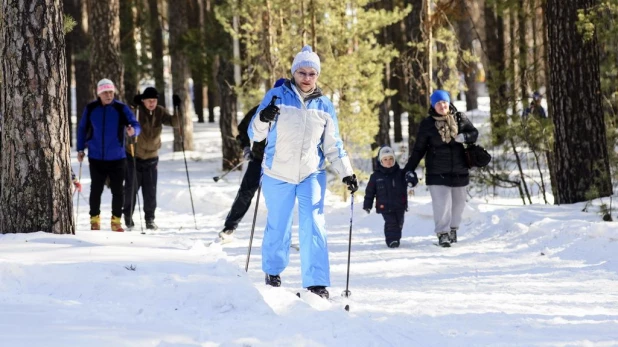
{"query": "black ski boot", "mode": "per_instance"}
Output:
(393, 244)
(129, 224)
(453, 235)
(444, 240)
(273, 280)
(226, 233)
(319, 291)
(150, 225)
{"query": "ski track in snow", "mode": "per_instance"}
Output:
(539, 275)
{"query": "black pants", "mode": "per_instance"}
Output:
(393, 223)
(99, 171)
(145, 177)
(249, 185)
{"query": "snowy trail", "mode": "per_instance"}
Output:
(519, 276)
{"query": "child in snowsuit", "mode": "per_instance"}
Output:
(388, 186)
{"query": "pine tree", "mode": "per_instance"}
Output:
(35, 170)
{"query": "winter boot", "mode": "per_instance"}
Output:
(117, 224)
(319, 290)
(128, 222)
(393, 244)
(150, 224)
(273, 280)
(453, 235)
(226, 234)
(95, 222)
(444, 240)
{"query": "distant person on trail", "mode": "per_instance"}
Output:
(102, 130)
(142, 165)
(387, 185)
(300, 126)
(535, 108)
(251, 180)
(441, 137)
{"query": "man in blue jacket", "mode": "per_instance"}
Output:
(102, 130)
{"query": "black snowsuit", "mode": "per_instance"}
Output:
(388, 187)
(251, 179)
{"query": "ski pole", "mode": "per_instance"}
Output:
(257, 201)
(217, 178)
(257, 204)
(79, 179)
(134, 191)
(346, 293)
(182, 143)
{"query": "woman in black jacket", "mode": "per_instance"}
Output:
(440, 140)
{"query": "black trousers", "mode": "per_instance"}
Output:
(99, 171)
(145, 177)
(249, 185)
(393, 223)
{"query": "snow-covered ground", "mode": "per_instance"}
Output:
(539, 275)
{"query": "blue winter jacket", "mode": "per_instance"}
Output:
(102, 130)
(305, 133)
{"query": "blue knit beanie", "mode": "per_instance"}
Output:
(439, 95)
(306, 58)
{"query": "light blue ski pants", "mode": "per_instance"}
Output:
(280, 198)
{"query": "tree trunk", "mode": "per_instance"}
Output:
(227, 118)
(79, 43)
(198, 66)
(156, 36)
(414, 67)
(496, 67)
(105, 57)
(466, 38)
(385, 37)
(575, 91)
(35, 170)
(180, 72)
(128, 49)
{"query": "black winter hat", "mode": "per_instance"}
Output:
(150, 93)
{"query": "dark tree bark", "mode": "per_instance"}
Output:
(466, 38)
(156, 37)
(105, 57)
(414, 70)
(496, 67)
(180, 71)
(79, 42)
(128, 49)
(227, 119)
(581, 153)
(198, 66)
(385, 37)
(35, 169)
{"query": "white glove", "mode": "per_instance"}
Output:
(460, 138)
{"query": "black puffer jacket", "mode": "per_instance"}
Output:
(388, 187)
(243, 137)
(445, 163)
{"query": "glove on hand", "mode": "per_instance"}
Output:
(461, 138)
(78, 186)
(80, 156)
(269, 113)
(351, 182)
(247, 154)
(411, 179)
(176, 100)
(368, 210)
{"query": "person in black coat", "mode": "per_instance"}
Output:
(441, 137)
(387, 185)
(251, 180)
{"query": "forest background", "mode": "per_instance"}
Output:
(380, 62)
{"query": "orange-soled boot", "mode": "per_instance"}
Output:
(116, 224)
(95, 222)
